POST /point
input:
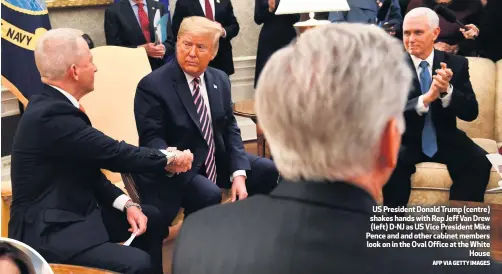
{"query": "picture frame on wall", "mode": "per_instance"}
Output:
(76, 3)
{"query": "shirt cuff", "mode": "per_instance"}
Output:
(224, 33)
(238, 173)
(120, 202)
(420, 107)
(445, 100)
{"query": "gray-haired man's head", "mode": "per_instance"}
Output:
(331, 105)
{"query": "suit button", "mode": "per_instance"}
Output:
(97, 206)
(199, 165)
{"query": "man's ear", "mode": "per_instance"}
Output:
(436, 32)
(389, 145)
(73, 71)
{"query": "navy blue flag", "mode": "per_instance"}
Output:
(23, 23)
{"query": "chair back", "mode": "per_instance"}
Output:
(110, 106)
(483, 79)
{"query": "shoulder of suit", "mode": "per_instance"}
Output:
(44, 107)
(454, 59)
(217, 73)
(158, 76)
(115, 7)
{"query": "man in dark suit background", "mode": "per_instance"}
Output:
(63, 206)
(336, 147)
(366, 11)
(130, 23)
(440, 94)
(188, 105)
(219, 11)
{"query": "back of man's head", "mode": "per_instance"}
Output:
(326, 101)
(56, 51)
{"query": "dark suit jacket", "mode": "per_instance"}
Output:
(489, 40)
(277, 32)
(122, 28)
(300, 227)
(466, 11)
(223, 14)
(57, 184)
(463, 105)
(365, 11)
(166, 117)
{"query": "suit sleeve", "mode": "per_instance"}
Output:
(233, 140)
(395, 16)
(80, 142)
(463, 101)
(261, 13)
(230, 23)
(169, 43)
(106, 192)
(149, 116)
(337, 16)
(112, 29)
(178, 16)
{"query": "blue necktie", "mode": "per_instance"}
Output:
(429, 141)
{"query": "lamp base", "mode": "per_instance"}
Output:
(312, 23)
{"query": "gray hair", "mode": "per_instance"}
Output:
(201, 26)
(56, 51)
(324, 102)
(432, 17)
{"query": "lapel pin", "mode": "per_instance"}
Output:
(218, 1)
(215, 86)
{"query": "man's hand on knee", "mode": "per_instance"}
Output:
(137, 220)
(239, 188)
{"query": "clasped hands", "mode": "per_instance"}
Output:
(155, 51)
(440, 84)
(181, 162)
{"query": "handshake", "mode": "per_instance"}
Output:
(178, 161)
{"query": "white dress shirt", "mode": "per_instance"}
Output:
(203, 92)
(445, 101)
(121, 200)
(203, 6)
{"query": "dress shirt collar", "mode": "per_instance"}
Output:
(69, 96)
(190, 79)
(417, 61)
(134, 3)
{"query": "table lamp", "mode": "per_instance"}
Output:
(311, 6)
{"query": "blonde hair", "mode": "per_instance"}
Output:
(201, 26)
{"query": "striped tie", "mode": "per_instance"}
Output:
(207, 129)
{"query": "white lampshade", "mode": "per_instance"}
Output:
(306, 6)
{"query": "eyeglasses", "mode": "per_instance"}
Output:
(189, 45)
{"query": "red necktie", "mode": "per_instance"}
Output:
(143, 21)
(209, 11)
